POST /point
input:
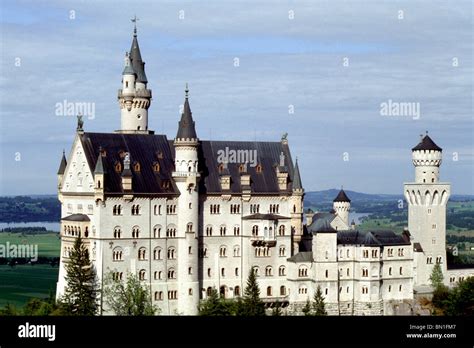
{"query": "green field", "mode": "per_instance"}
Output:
(49, 244)
(18, 284)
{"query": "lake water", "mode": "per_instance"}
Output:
(50, 226)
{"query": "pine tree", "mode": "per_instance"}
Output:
(80, 294)
(307, 308)
(436, 277)
(252, 305)
(128, 298)
(318, 305)
(215, 306)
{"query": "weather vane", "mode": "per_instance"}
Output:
(134, 21)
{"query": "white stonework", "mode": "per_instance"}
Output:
(183, 245)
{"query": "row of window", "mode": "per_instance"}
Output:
(90, 208)
(136, 209)
(429, 260)
(75, 231)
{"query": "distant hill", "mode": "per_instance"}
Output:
(327, 196)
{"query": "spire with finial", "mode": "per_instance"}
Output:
(186, 129)
(297, 185)
(138, 64)
(63, 164)
(134, 21)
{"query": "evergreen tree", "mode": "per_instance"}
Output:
(318, 305)
(80, 294)
(252, 305)
(9, 310)
(307, 308)
(213, 305)
(128, 298)
(436, 277)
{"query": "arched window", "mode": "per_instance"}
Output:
(282, 251)
(135, 232)
(209, 231)
(269, 291)
(256, 270)
(282, 290)
(303, 271)
(281, 230)
(117, 254)
(157, 254)
(223, 251)
(171, 253)
(117, 232)
(171, 274)
(223, 230)
(142, 254)
(269, 271)
(157, 231)
(236, 251)
(282, 271)
(255, 231)
(237, 291)
(142, 275)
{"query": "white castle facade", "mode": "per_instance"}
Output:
(184, 221)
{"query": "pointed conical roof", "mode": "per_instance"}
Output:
(186, 129)
(427, 143)
(99, 166)
(128, 69)
(62, 165)
(297, 178)
(342, 197)
(137, 63)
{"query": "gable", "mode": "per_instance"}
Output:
(78, 177)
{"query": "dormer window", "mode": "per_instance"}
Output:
(159, 154)
(221, 167)
(242, 168)
(122, 154)
(259, 168)
(156, 167)
(136, 166)
(118, 167)
(165, 184)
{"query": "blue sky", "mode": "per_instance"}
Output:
(283, 62)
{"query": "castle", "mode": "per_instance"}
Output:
(187, 219)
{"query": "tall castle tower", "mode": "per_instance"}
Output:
(297, 209)
(342, 206)
(186, 176)
(427, 199)
(134, 97)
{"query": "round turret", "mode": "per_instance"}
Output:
(426, 157)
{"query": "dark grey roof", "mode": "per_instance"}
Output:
(268, 156)
(322, 225)
(427, 143)
(128, 69)
(76, 217)
(371, 238)
(259, 216)
(146, 149)
(303, 256)
(297, 178)
(137, 62)
(417, 247)
(342, 197)
(186, 128)
(62, 165)
(99, 166)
